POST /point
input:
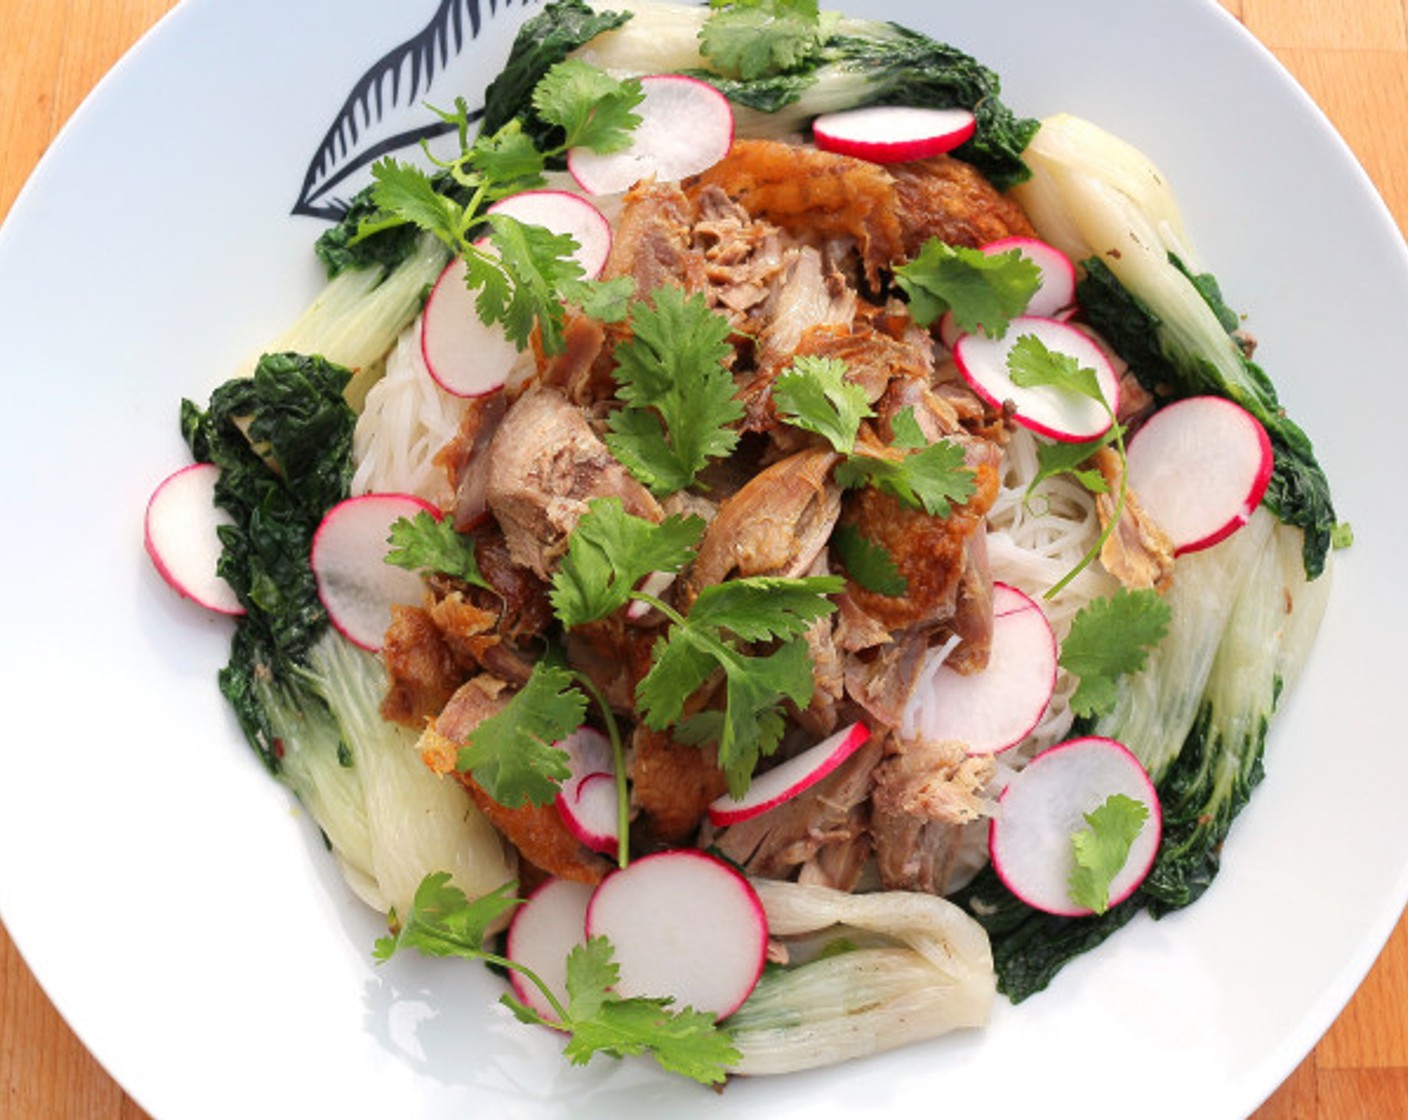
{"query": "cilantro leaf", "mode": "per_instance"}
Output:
(511, 754)
(609, 552)
(1109, 638)
(404, 193)
(1058, 457)
(813, 394)
(751, 39)
(756, 608)
(678, 395)
(443, 922)
(506, 162)
(687, 1042)
(1033, 364)
(904, 427)
(429, 543)
(931, 479)
(870, 565)
(532, 263)
(984, 292)
(1102, 850)
(750, 724)
(526, 274)
(594, 109)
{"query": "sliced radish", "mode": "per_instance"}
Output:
(544, 930)
(686, 126)
(992, 710)
(1056, 293)
(357, 586)
(893, 133)
(588, 752)
(1200, 466)
(564, 212)
(587, 800)
(1044, 806)
(591, 812)
(686, 925)
(466, 356)
(655, 584)
(181, 534)
(787, 779)
(1056, 413)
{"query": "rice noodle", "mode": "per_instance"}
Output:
(408, 418)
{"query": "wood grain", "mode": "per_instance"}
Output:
(1347, 53)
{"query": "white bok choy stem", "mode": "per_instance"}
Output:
(1092, 194)
(872, 972)
(389, 820)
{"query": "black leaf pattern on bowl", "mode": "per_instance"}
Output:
(386, 108)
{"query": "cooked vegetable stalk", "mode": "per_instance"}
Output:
(869, 973)
(307, 701)
(1104, 204)
(355, 319)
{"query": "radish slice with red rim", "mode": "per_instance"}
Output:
(466, 356)
(356, 585)
(564, 212)
(181, 534)
(544, 930)
(1031, 839)
(1200, 467)
(1058, 414)
(893, 133)
(1055, 296)
(684, 925)
(996, 708)
(591, 811)
(789, 778)
(686, 126)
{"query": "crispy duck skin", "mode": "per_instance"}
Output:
(814, 196)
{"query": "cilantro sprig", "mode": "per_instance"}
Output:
(814, 395)
(443, 922)
(611, 551)
(1108, 639)
(985, 291)
(751, 39)
(679, 397)
(1033, 364)
(432, 544)
(512, 754)
(1102, 849)
(524, 275)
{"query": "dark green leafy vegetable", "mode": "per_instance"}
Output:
(283, 442)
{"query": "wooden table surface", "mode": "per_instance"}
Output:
(1352, 57)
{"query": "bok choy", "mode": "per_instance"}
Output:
(307, 700)
(1105, 205)
(866, 973)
